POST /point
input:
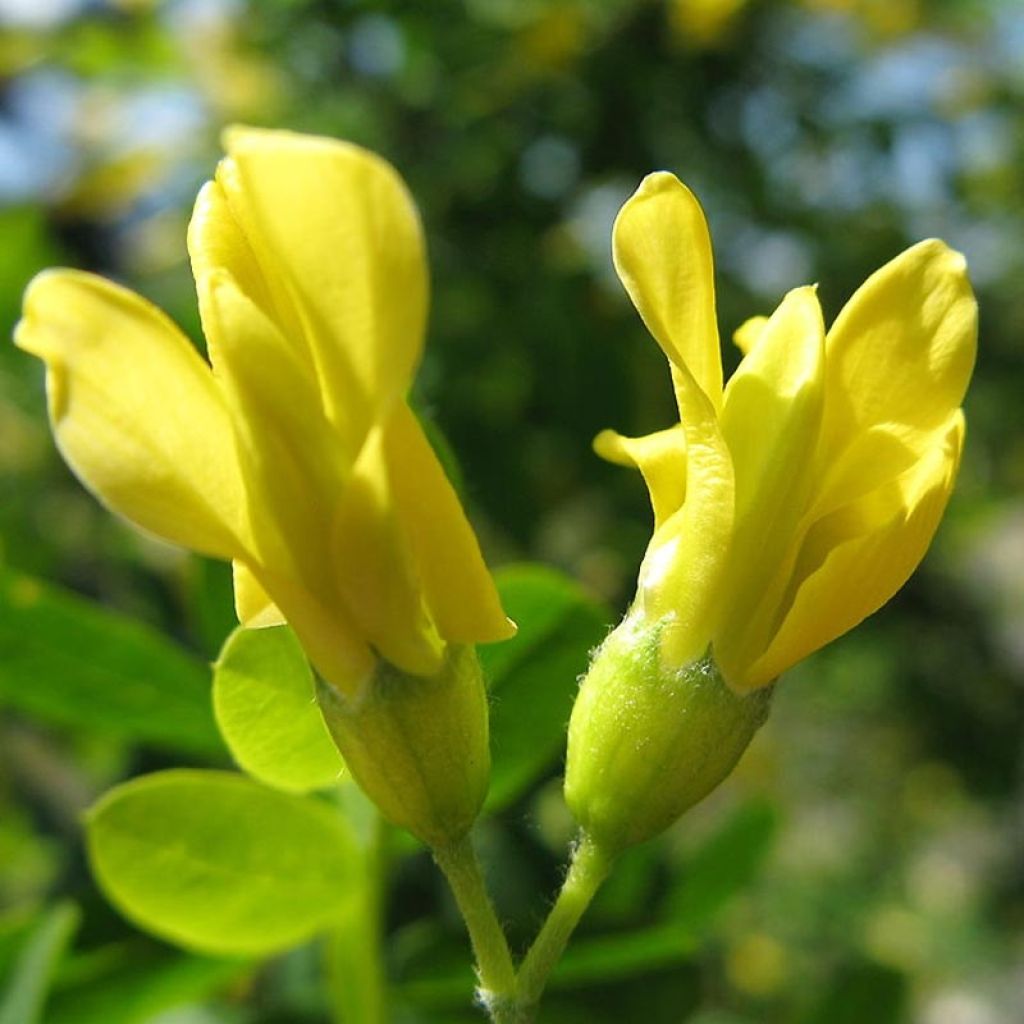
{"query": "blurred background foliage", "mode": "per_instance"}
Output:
(865, 863)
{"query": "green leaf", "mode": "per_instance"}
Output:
(220, 864)
(67, 661)
(15, 924)
(534, 676)
(724, 865)
(22, 999)
(604, 958)
(862, 992)
(131, 983)
(265, 704)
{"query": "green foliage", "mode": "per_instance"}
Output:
(533, 675)
(217, 863)
(822, 139)
(23, 995)
(265, 703)
(862, 992)
(73, 663)
(129, 984)
(724, 865)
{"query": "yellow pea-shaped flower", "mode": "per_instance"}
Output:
(293, 452)
(789, 504)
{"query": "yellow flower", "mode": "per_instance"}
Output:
(798, 499)
(788, 505)
(293, 453)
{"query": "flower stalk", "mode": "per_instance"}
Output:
(588, 869)
(496, 992)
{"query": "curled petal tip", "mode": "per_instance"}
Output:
(658, 181)
(608, 445)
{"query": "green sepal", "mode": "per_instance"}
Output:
(418, 745)
(646, 743)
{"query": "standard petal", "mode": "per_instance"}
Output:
(681, 576)
(218, 245)
(771, 421)
(854, 560)
(253, 606)
(457, 586)
(660, 457)
(340, 244)
(135, 411)
(901, 352)
(662, 252)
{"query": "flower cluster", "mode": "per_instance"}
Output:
(789, 503)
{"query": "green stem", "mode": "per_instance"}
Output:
(589, 868)
(490, 947)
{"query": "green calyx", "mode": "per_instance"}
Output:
(646, 742)
(418, 745)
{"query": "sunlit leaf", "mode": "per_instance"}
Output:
(217, 863)
(265, 704)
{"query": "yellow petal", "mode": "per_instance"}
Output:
(745, 336)
(854, 560)
(662, 253)
(771, 420)
(339, 242)
(882, 453)
(681, 576)
(457, 587)
(295, 474)
(902, 350)
(217, 244)
(660, 457)
(326, 631)
(293, 469)
(253, 605)
(135, 411)
(375, 570)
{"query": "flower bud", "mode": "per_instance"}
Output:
(418, 745)
(647, 742)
